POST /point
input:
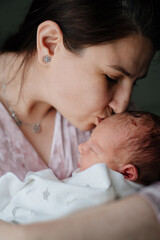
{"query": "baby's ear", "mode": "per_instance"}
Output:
(130, 172)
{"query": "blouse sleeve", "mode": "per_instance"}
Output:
(152, 195)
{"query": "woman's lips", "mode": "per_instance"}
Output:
(109, 112)
(100, 119)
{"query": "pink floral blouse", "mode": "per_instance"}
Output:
(19, 157)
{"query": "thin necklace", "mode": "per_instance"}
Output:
(35, 127)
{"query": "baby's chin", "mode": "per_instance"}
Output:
(80, 168)
(78, 165)
(82, 165)
(83, 168)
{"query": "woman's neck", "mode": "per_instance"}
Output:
(23, 90)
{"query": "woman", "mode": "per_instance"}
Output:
(72, 64)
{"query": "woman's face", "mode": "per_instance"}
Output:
(86, 88)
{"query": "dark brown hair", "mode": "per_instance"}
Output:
(142, 144)
(88, 22)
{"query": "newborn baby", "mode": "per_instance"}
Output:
(123, 149)
(128, 143)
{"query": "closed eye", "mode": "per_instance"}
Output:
(140, 78)
(135, 83)
(111, 80)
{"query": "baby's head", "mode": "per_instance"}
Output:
(128, 143)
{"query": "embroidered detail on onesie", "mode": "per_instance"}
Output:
(15, 210)
(46, 194)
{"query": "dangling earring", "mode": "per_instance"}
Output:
(46, 59)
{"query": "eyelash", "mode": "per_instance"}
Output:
(114, 81)
(135, 84)
(111, 80)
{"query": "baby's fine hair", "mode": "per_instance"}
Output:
(142, 143)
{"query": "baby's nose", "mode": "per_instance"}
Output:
(82, 148)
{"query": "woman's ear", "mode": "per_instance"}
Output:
(49, 35)
(130, 172)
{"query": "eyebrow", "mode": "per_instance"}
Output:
(124, 71)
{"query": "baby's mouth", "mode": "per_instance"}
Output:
(79, 161)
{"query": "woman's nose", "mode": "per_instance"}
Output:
(121, 99)
(83, 148)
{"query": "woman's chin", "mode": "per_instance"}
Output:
(87, 127)
(83, 125)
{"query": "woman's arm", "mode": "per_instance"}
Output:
(11, 231)
(129, 218)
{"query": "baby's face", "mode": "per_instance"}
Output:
(100, 148)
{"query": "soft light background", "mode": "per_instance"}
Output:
(146, 95)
